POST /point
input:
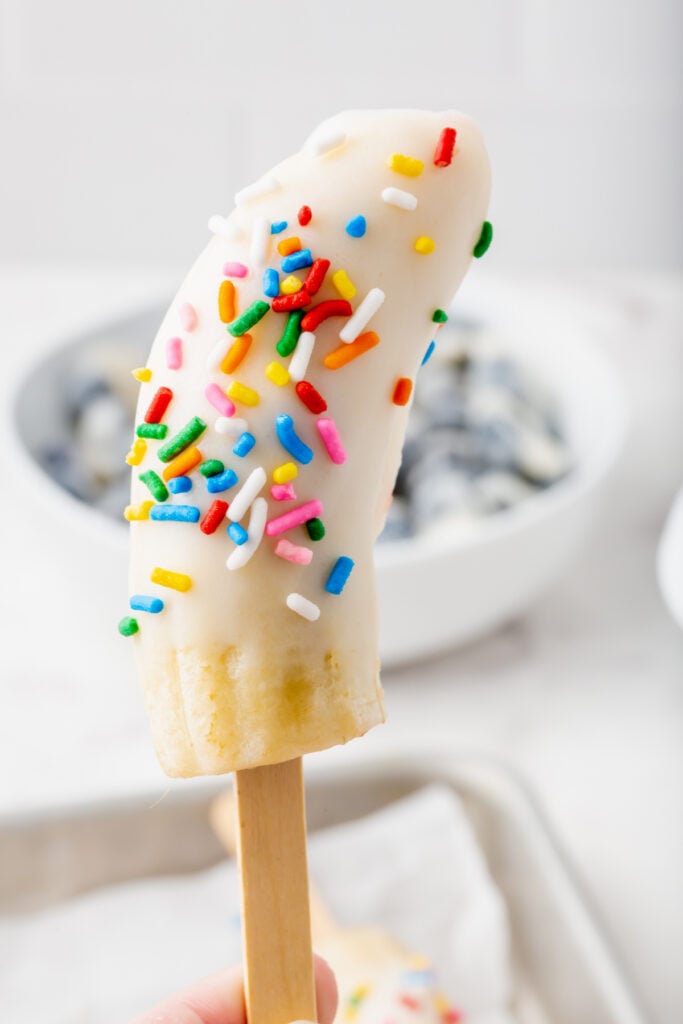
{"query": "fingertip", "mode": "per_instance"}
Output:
(326, 992)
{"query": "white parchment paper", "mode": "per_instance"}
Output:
(413, 869)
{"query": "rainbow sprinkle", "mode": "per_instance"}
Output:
(357, 226)
(221, 482)
(179, 484)
(315, 528)
(183, 439)
(152, 431)
(128, 626)
(290, 441)
(145, 603)
(154, 484)
(424, 245)
(249, 318)
(339, 575)
(407, 165)
(485, 239)
(174, 580)
(297, 261)
(303, 607)
(343, 283)
(175, 513)
(245, 442)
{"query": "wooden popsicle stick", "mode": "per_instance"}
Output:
(276, 920)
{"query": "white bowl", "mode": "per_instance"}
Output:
(435, 591)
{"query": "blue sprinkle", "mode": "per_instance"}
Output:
(179, 484)
(237, 533)
(245, 442)
(143, 603)
(278, 227)
(357, 226)
(287, 437)
(221, 481)
(177, 513)
(428, 354)
(271, 283)
(336, 581)
(297, 260)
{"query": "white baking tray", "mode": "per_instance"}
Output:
(564, 971)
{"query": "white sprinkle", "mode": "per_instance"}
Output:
(257, 524)
(263, 187)
(298, 364)
(224, 227)
(397, 197)
(217, 353)
(248, 491)
(325, 139)
(303, 607)
(260, 241)
(230, 425)
(367, 309)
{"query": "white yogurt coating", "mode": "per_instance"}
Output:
(233, 676)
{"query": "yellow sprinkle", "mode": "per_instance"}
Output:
(350, 1012)
(361, 992)
(425, 245)
(441, 1004)
(343, 283)
(143, 374)
(135, 512)
(277, 373)
(407, 165)
(137, 452)
(419, 962)
(290, 285)
(174, 580)
(241, 393)
(284, 473)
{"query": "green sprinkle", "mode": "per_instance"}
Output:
(211, 467)
(290, 337)
(484, 240)
(156, 430)
(156, 485)
(316, 528)
(439, 316)
(182, 440)
(128, 626)
(251, 316)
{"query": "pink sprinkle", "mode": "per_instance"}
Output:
(283, 492)
(174, 353)
(293, 552)
(295, 517)
(235, 270)
(328, 431)
(219, 400)
(187, 315)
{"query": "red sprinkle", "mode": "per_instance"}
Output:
(402, 391)
(409, 1001)
(316, 276)
(214, 517)
(443, 154)
(286, 303)
(323, 311)
(451, 1016)
(304, 215)
(158, 405)
(311, 398)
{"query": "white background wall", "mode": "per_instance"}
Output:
(124, 125)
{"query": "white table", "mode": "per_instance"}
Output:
(584, 694)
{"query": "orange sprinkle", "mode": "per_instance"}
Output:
(236, 353)
(183, 463)
(227, 307)
(289, 245)
(402, 391)
(345, 353)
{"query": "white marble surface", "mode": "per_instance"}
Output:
(584, 694)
